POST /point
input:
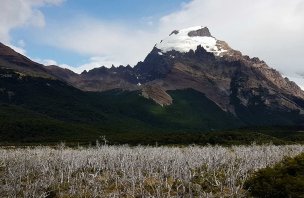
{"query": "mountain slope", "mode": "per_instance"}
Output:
(43, 109)
(193, 58)
(189, 82)
(13, 60)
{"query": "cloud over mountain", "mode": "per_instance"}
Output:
(271, 30)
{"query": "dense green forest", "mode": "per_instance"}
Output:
(35, 110)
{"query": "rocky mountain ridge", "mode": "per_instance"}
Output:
(210, 67)
(187, 59)
(13, 60)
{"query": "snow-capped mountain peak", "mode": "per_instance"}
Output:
(188, 39)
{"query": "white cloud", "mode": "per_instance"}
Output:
(20, 50)
(45, 62)
(49, 62)
(92, 63)
(115, 43)
(19, 13)
(272, 30)
(95, 62)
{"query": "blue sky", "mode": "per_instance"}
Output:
(132, 12)
(83, 34)
(114, 9)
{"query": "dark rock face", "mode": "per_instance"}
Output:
(155, 66)
(99, 79)
(174, 32)
(13, 60)
(201, 32)
(61, 73)
(237, 84)
(102, 79)
(242, 86)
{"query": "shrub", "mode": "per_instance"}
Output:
(285, 179)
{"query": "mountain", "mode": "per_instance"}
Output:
(246, 87)
(13, 60)
(101, 79)
(189, 82)
(193, 59)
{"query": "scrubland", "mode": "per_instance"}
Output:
(141, 171)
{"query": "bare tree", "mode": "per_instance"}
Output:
(123, 171)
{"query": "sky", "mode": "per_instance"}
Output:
(83, 34)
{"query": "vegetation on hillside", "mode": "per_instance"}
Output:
(42, 110)
(286, 179)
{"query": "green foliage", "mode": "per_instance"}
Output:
(120, 110)
(192, 110)
(183, 138)
(21, 125)
(34, 109)
(286, 179)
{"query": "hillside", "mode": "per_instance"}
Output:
(190, 83)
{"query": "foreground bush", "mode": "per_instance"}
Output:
(285, 179)
(123, 171)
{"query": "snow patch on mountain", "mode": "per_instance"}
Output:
(181, 41)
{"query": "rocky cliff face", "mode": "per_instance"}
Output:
(157, 93)
(193, 59)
